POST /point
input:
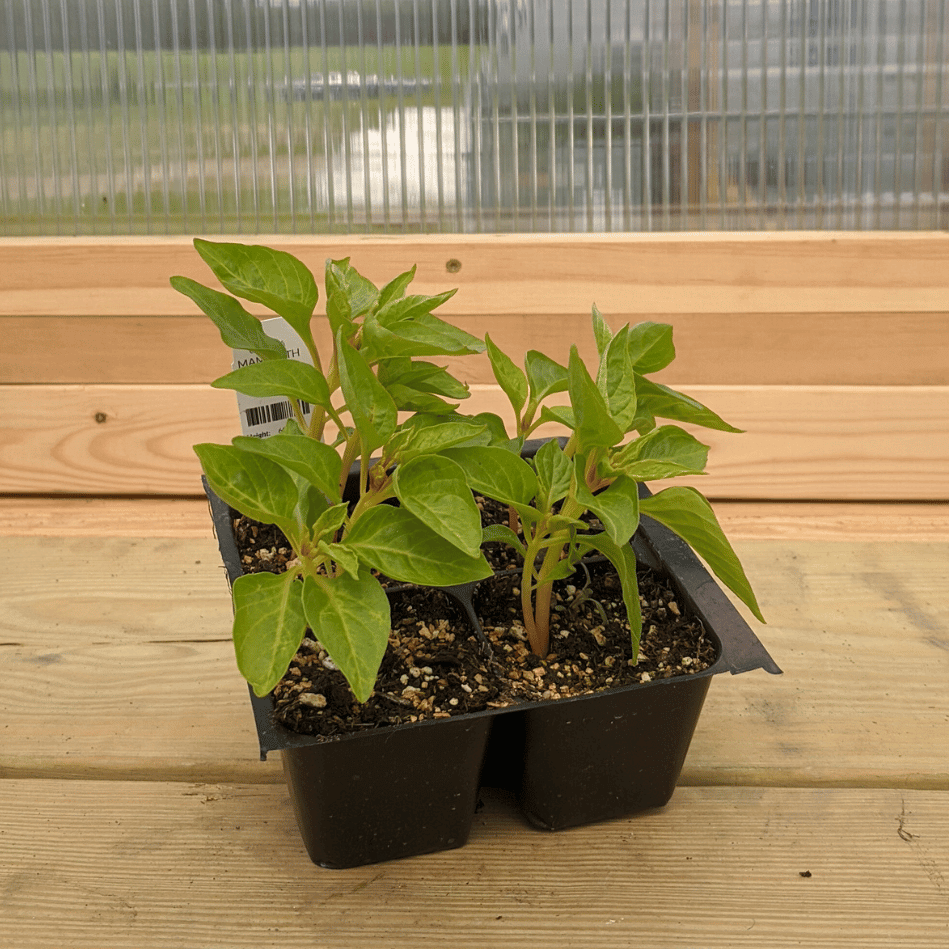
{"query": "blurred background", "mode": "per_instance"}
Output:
(422, 116)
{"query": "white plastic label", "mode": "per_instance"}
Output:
(261, 418)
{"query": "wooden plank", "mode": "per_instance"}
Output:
(111, 350)
(29, 516)
(755, 520)
(118, 663)
(114, 591)
(156, 517)
(828, 443)
(811, 442)
(109, 439)
(845, 618)
(712, 273)
(777, 348)
(142, 865)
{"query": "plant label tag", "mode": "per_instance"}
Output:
(261, 418)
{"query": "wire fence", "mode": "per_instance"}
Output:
(408, 116)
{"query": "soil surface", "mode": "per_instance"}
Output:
(437, 664)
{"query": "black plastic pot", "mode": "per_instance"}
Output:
(597, 757)
(407, 790)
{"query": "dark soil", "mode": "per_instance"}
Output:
(590, 641)
(437, 665)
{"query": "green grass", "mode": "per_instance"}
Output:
(113, 109)
(94, 68)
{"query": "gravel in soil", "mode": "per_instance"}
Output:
(437, 666)
(590, 641)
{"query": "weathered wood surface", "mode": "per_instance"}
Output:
(121, 631)
(811, 442)
(203, 866)
(831, 349)
(518, 273)
(127, 821)
(783, 348)
(133, 808)
(742, 520)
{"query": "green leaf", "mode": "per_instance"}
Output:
(659, 401)
(561, 570)
(601, 331)
(411, 400)
(561, 522)
(268, 626)
(265, 275)
(616, 380)
(496, 473)
(319, 464)
(421, 375)
(288, 377)
(251, 484)
(561, 414)
(239, 329)
(687, 513)
(413, 307)
(665, 452)
(311, 501)
(496, 432)
(512, 381)
(434, 489)
(624, 560)
(330, 521)
(350, 617)
(617, 507)
(650, 347)
(395, 288)
(412, 441)
(375, 416)
(554, 473)
(501, 533)
(394, 541)
(423, 335)
(594, 424)
(338, 312)
(544, 375)
(342, 555)
(359, 292)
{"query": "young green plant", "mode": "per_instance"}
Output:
(598, 469)
(345, 408)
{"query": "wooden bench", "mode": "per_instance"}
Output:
(813, 808)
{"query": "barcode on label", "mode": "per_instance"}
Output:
(273, 412)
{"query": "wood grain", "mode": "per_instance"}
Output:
(758, 520)
(105, 517)
(804, 442)
(125, 634)
(628, 273)
(29, 516)
(143, 865)
(109, 439)
(767, 348)
(134, 811)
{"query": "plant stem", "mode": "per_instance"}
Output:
(350, 453)
(298, 414)
(544, 588)
(314, 353)
(542, 595)
(527, 608)
(317, 425)
(513, 521)
(317, 430)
